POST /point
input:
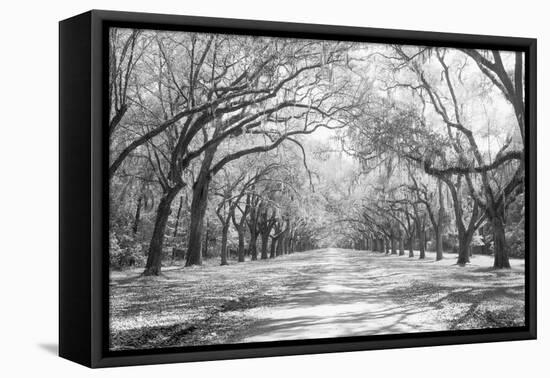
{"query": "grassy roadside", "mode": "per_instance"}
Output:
(190, 306)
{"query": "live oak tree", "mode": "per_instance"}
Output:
(266, 222)
(123, 57)
(510, 81)
(433, 201)
(240, 226)
(401, 210)
(437, 129)
(483, 172)
(230, 197)
(231, 190)
(270, 96)
(435, 137)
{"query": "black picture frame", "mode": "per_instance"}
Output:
(83, 195)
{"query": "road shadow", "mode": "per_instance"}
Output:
(351, 297)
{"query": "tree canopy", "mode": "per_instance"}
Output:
(236, 147)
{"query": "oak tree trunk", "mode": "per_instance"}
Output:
(137, 216)
(154, 258)
(499, 237)
(265, 239)
(422, 244)
(223, 252)
(280, 243)
(240, 248)
(273, 248)
(438, 244)
(439, 228)
(252, 250)
(199, 203)
(464, 240)
(198, 210)
(178, 218)
(205, 242)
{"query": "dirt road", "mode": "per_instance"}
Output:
(349, 293)
(315, 294)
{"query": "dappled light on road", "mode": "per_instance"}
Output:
(362, 293)
(314, 294)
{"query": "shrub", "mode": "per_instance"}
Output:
(450, 243)
(125, 252)
(515, 242)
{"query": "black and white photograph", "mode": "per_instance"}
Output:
(297, 188)
(268, 188)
